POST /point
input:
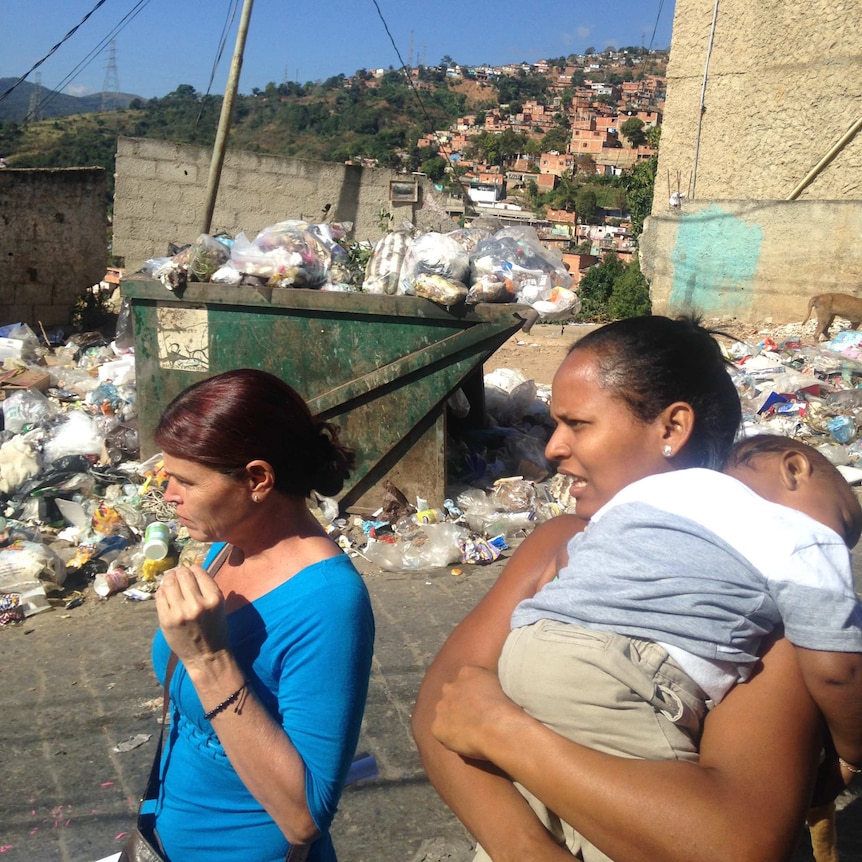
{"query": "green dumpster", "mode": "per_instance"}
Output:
(379, 367)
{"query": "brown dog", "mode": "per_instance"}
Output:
(832, 305)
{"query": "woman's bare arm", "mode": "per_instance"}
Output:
(485, 801)
(746, 799)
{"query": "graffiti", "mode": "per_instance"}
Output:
(183, 338)
(714, 262)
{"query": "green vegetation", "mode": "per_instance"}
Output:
(639, 184)
(612, 290)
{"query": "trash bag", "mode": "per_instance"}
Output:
(26, 409)
(438, 255)
(19, 462)
(287, 254)
(78, 434)
(429, 546)
(383, 269)
(195, 262)
(520, 262)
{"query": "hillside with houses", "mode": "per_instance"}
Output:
(547, 160)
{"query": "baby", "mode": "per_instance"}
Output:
(662, 603)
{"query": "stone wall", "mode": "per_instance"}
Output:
(784, 85)
(53, 242)
(161, 194)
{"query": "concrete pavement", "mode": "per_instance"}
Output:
(78, 683)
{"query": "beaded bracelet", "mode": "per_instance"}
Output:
(849, 766)
(226, 703)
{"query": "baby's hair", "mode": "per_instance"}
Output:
(748, 448)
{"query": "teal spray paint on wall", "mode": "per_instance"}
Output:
(714, 261)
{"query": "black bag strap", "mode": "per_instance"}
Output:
(296, 853)
(152, 789)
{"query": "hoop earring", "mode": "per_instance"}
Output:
(667, 451)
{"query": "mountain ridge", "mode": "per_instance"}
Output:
(16, 106)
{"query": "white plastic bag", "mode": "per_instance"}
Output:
(78, 434)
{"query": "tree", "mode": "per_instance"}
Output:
(639, 184)
(533, 147)
(633, 130)
(596, 287)
(653, 136)
(557, 140)
(434, 168)
(586, 164)
(585, 204)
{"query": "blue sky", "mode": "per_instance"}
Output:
(172, 42)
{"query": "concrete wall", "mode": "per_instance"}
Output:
(161, 192)
(784, 84)
(53, 237)
(752, 260)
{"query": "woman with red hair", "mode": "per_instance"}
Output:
(273, 636)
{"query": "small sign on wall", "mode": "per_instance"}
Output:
(403, 191)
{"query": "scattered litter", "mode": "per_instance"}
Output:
(132, 743)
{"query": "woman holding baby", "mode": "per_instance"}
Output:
(633, 399)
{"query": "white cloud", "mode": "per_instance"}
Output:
(78, 90)
(577, 37)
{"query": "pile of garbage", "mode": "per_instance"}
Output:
(483, 263)
(805, 391)
(83, 518)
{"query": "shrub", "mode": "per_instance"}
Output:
(630, 294)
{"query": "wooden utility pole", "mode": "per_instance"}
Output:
(220, 144)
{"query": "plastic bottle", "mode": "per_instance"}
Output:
(156, 541)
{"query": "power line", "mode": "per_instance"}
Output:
(658, 15)
(64, 39)
(228, 24)
(408, 75)
(118, 28)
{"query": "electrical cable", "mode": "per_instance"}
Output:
(228, 25)
(407, 75)
(655, 28)
(118, 28)
(64, 39)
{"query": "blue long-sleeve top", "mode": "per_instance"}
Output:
(305, 649)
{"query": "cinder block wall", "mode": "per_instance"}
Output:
(784, 84)
(161, 193)
(53, 242)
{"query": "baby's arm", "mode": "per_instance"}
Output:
(554, 565)
(834, 680)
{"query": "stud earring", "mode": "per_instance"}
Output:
(255, 497)
(667, 451)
